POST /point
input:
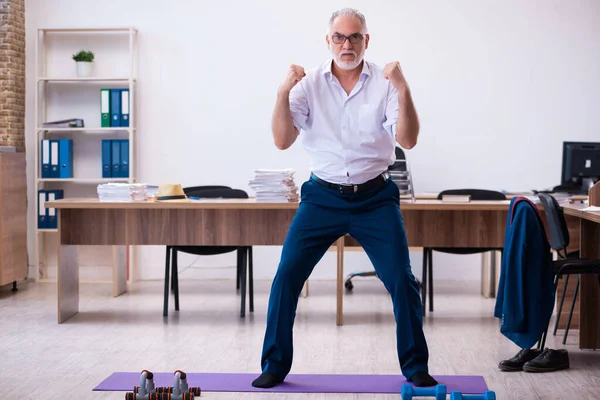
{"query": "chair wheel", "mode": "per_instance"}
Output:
(349, 286)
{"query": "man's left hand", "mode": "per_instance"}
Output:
(393, 73)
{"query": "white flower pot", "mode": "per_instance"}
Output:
(84, 68)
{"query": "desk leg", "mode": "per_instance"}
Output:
(305, 289)
(589, 298)
(68, 282)
(119, 270)
(490, 266)
(340, 282)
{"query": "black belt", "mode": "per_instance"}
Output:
(349, 189)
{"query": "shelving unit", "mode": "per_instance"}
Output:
(61, 94)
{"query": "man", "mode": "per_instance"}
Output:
(350, 113)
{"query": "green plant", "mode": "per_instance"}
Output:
(84, 56)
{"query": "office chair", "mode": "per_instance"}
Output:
(400, 165)
(244, 253)
(194, 191)
(477, 195)
(567, 264)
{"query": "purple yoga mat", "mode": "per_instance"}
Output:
(294, 383)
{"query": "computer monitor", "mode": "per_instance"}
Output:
(580, 166)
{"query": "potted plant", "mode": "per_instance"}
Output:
(84, 60)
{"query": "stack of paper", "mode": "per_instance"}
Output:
(121, 192)
(274, 185)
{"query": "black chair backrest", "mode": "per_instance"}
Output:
(227, 193)
(195, 190)
(400, 163)
(476, 194)
(557, 224)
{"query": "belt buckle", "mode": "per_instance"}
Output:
(355, 188)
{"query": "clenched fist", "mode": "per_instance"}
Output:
(294, 75)
(393, 73)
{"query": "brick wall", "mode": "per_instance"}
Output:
(12, 73)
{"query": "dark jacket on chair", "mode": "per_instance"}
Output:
(525, 298)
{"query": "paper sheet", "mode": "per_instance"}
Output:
(591, 208)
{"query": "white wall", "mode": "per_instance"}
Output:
(498, 87)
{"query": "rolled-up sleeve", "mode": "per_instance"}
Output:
(391, 111)
(299, 106)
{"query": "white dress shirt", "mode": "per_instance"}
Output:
(349, 138)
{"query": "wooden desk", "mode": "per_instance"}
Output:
(210, 222)
(589, 297)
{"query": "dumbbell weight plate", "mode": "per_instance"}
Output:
(407, 392)
(489, 395)
(195, 391)
(440, 392)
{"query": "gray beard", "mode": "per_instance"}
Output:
(348, 65)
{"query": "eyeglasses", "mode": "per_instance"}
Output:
(338, 38)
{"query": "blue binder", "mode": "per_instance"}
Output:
(65, 158)
(106, 158)
(45, 158)
(115, 107)
(124, 158)
(42, 212)
(116, 158)
(52, 220)
(54, 163)
(124, 107)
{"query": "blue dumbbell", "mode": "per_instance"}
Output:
(408, 391)
(487, 395)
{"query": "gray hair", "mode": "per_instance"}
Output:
(349, 12)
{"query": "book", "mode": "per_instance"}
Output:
(456, 198)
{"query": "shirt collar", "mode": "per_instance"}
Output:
(366, 70)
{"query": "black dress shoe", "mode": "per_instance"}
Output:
(516, 362)
(549, 360)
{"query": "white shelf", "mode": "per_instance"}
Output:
(86, 130)
(87, 30)
(84, 180)
(85, 79)
(49, 43)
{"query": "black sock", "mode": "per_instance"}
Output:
(266, 380)
(422, 378)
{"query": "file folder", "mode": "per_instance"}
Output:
(54, 170)
(115, 107)
(42, 212)
(106, 158)
(124, 107)
(124, 158)
(45, 159)
(116, 158)
(65, 158)
(105, 108)
(53, 212)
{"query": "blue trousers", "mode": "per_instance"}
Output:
(374, 219)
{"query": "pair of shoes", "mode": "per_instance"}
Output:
(549, 360)
(518, 360)
(534, 360)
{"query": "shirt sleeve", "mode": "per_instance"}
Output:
(391, 111)
(299, 106)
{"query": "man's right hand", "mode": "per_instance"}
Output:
(294, 75)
